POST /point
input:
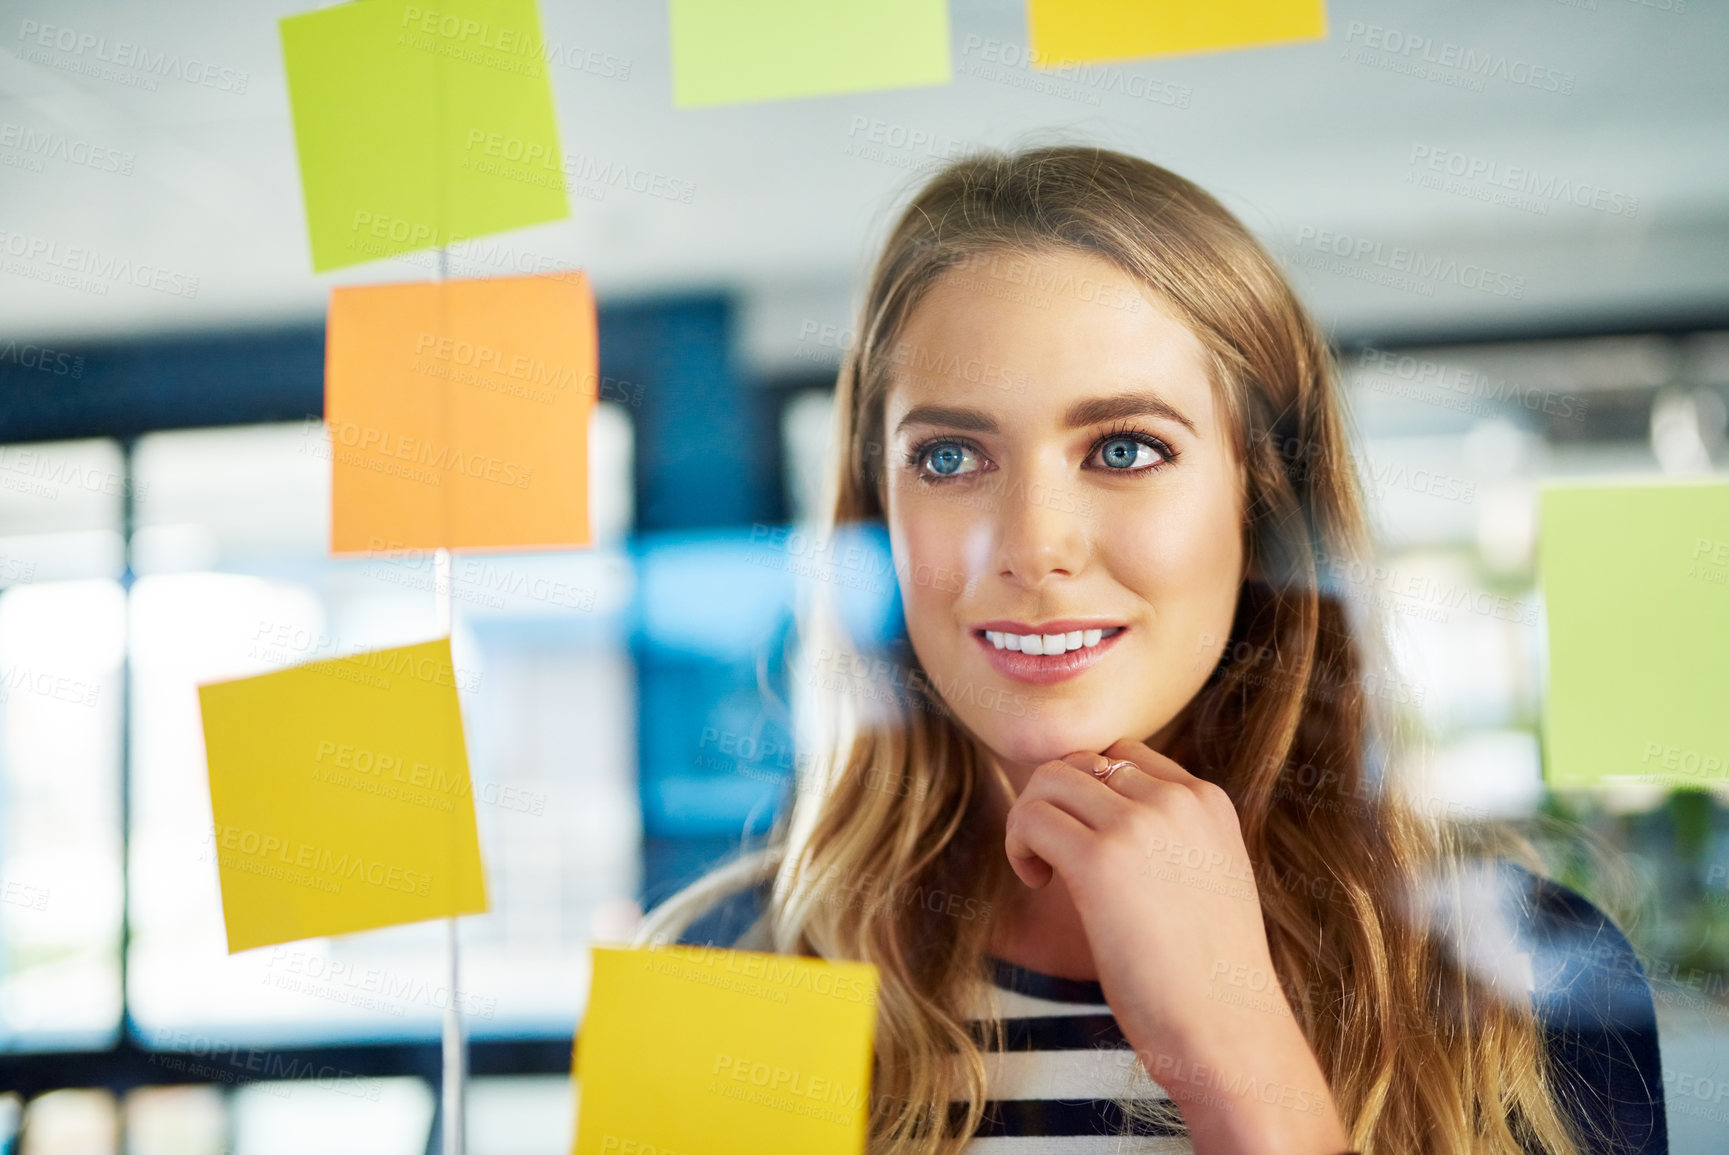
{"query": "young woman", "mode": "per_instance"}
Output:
(1119, 843)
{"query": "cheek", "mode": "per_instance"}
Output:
(1184, 557)
(938, 551)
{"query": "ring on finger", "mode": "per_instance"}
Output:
(1103, 774)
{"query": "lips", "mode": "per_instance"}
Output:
(1046, 669)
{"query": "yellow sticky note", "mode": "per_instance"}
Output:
(419, 125)
(688, 1049)
(458, 413)
(1635, 581)
(731, 51)
(1070, 31)
(341, 796)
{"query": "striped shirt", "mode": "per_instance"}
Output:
(1054, 1090)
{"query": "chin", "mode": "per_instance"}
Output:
(1033, 739)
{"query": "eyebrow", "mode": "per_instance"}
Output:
(1092, 411)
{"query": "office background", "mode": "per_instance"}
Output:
(1561, 310)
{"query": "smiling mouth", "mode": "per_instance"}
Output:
(1046, 659)
(1049, 644)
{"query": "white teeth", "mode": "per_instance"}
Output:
(1045, 643)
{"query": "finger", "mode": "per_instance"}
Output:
(1131, 781)
(1041, 838)
(1150, 761)
(1070, 784)
(1163, 773)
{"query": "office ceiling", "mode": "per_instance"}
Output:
(1619, 105)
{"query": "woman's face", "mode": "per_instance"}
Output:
(1056, 465)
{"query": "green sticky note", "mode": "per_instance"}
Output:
(732, 51)
(1636, 579)
(419, 127)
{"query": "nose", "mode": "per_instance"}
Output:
(1039, 529)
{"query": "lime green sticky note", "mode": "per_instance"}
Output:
(341, 796)
(1071, 31)
(732, 51)
(418, 126)
(1636, 581)
(687, 1049)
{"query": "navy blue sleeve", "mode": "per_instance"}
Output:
(722, 924)
(1598, 1020)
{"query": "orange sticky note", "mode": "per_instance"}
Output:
(340, 796)
(458, 413)
(1071, 31)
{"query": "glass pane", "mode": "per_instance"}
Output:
(231, 548)
(61, 511)
(60, 886)
(333, 1117)
(521, 1115)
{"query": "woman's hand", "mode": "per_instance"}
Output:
(1154, 860)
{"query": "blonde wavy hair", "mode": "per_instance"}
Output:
(1423, 1051)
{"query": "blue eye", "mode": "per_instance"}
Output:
(946, 457)
(943, 458)
(1122, 452)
